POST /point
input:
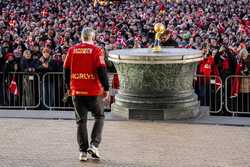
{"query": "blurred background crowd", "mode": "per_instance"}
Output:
(35, 34)
(33, 25)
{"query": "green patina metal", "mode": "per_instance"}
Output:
(156, 85)
(157, 78)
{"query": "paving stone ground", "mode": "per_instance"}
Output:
(52, 143)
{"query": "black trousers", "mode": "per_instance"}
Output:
(83, 104)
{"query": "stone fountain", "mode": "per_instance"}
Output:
(156, 84)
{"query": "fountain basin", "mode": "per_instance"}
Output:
(156, 86)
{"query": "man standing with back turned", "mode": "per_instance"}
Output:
(86, 79)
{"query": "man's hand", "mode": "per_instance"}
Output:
(105, 96)
(66, 96)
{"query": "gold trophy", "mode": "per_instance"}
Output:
(159, 29)
(101, 2)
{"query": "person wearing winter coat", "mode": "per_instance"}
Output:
(28, 65)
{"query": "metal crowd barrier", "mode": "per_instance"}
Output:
(237, 100)
(54, 92)
(19, 90)
(209, 92)
(27, 94)
(34, 92)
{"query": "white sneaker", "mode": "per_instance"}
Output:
(83, 156)
(93, 151)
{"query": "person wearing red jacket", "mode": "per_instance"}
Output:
(203, 79)
(208, 83)
(85, 76)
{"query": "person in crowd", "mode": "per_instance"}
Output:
(167, 40)
(244, 92)
(1, 78)
(28, 65)
(46, 64)
(87, 81)
(204, 70)
(9, 75)
(226, 63)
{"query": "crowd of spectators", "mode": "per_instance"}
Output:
(35, 34)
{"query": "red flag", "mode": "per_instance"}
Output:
(45, 13)
(221, 28)
(13, 87)
(12, 23)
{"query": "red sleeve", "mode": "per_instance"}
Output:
(100, 62)
(67, 62)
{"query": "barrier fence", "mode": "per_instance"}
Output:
(54, 92)
(238, 99)
(32, 91)
(20, 90)
(209, 92)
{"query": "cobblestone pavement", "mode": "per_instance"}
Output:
(52, 143)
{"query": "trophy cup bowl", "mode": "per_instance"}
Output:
(103, 2)
(159, 28)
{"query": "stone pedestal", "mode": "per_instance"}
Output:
(156, 86)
